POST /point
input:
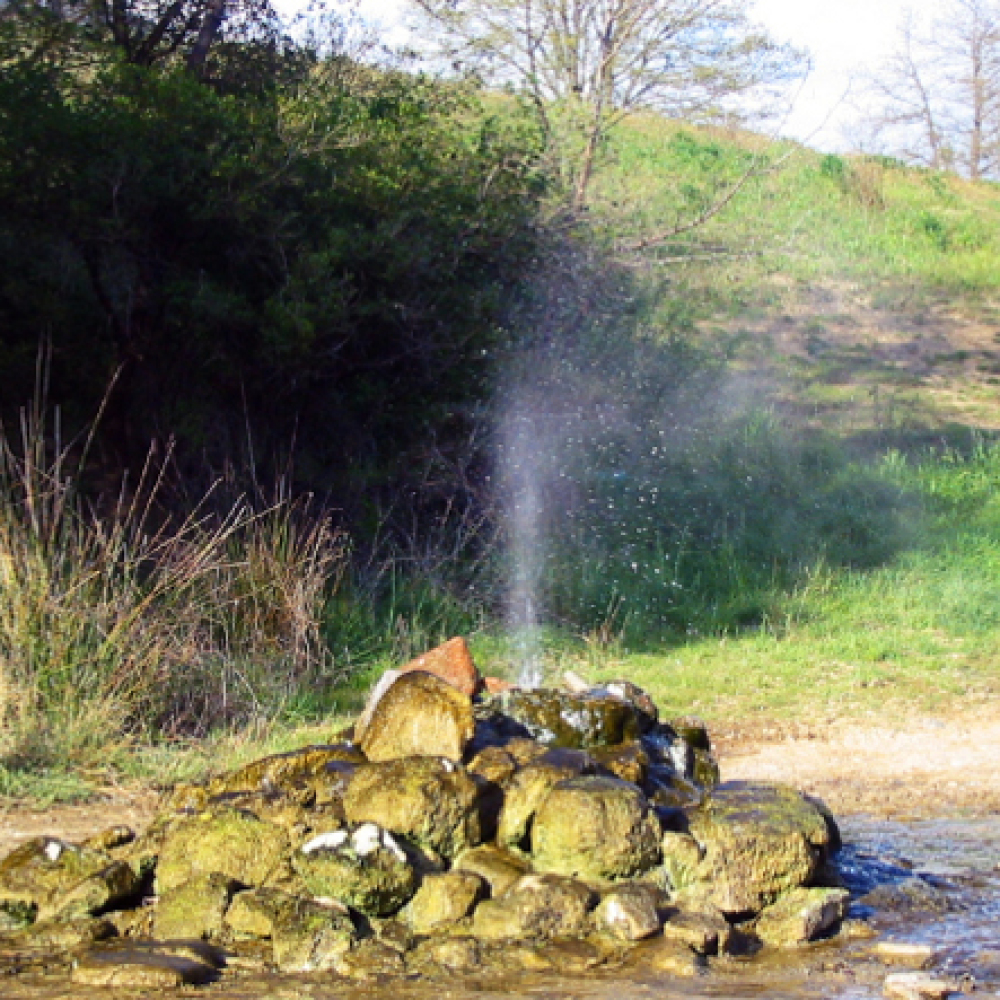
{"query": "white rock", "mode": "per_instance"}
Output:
(918, 986)
(326, 841)
(54, 850)
(366, 839)
(909, 953)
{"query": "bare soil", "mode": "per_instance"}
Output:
(919, 768)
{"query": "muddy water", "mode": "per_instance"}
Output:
(935, 882)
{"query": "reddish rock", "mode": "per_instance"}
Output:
(497, 684)
(451, 662)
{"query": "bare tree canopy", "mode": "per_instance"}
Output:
(700, 60)
(936, 101)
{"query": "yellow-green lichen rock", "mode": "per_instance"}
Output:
(802, 915)
(758, 841)
(47, 878)
(428, 800)
(630, 911)
(306, 935)
(233, 843)
(194, 909)
(595, 827)
(499, 868)
(366, 869)
(419, 715)
(524, 794)
(536, 907)
(285, 772)
(560, 719)
(443, 900)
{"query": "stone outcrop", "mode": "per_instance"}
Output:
(455, 829)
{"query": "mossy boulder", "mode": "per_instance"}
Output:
(802, 915)
(428, 800)
(196, 908)
(286, 772)
(368, 871)
(47, 878)
(306, 935)
(536, 906)
(595, 827)
(631, 911)
(758, 841)
(523, 796)
(500, 869)
(228, 841)
(556, 718)
(628, 761)
(442, 900)
(419, 715)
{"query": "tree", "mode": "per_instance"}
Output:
(593, 62)
(936, 101)
(148, 32)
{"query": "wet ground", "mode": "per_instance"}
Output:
(933, 881)
(918, 806)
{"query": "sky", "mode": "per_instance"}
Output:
(843, 36)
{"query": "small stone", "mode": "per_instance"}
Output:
(630, 912)
(802, 915)
(462, 954)
(704, 932)
(536, 906)
(140, 969)
(664, 955)
(369, 960)
(452, 663)
(443, 900)
(909, 953)
(499, 868)
(195, 908)
(918, 986)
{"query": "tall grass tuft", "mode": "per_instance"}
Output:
(133, 626)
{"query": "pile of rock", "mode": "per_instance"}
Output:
(453, 829)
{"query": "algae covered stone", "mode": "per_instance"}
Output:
(498, 868)
(556, 718)
(228, 841)
(195, 908)
(595, 827)
(442, 900)
(524, 794)
(631, 911)
(758, 841)
(428, 800)
(368, 872)
(419, 715)
(51, 878)
(536, 906)
(802, 915)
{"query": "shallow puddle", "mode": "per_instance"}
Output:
(934, 882)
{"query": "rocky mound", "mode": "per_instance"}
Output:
(455, 829)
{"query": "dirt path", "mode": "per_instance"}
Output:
(918, 769)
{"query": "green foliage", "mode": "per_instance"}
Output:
(322, 262)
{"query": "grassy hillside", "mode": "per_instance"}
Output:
(858, 304)
(773, 490)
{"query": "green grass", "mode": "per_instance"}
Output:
(797, 527)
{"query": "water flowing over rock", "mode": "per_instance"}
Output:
(456, 829)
